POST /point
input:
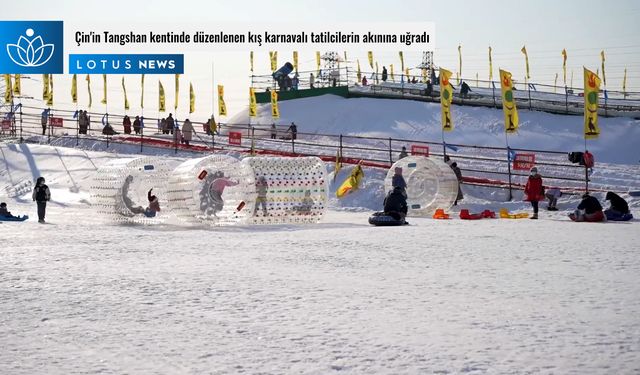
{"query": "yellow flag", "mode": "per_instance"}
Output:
(424, 75)
(526, 60)
(318, 61)
(74, 89)
(352, 183)
(17, 87)
(459, 63)
(406, 71)
(275, 112)
(508, 102)
(88, 79)
(490, 67)
(359, 74)
(273, 57)
(126, 100)
(251, 60)
(192, 99)
(8, 92)
(104, 89)
(253, 105)
(604, 77)
(370, 57)
(222, 107)
(591, 92)
(391, 73)
(376, 72)
(338, 165)
(177, 93)
(50, 99)
(401, 61)
(142, 92)
(564, 66)
(295, 60)
(446, 97)
(624, 84)
(161, 98)
(45, 87)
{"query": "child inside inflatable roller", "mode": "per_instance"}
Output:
(395, 209)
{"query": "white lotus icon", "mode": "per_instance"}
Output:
(30, 51)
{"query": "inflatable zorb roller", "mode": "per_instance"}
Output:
(288, 190)
(215, 190)
(132, 190)
(431, 184)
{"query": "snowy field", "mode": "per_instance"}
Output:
(493, 296)
(81, 295)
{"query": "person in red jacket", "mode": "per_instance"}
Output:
(534, 191)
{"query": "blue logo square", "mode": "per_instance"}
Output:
(31, 47)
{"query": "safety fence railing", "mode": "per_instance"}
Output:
(498, 167)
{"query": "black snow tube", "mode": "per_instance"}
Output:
(380, 219)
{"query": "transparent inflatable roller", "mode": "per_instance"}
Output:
(121, 188)
(215, 190)
(288, 190)
(431, 184)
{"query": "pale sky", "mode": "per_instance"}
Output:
(584, 28)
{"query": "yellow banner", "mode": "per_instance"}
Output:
(17, 87)
(88, 79)
(8, 92)
(446, 98)
(459, 73)
(526, 60)
(508, 102)
(401, 61)
(591, 92)
(391, 73)
(251, 60)
(222, 107)
(275, 112)
(564, 66)
(295, 60)
(104, 89)
(318, 61)
(406, 71)
(177, 93)
(74, 89)
(126, 100)
(370, 57)
(45, 87)
(490, 67)
(192, 99)
(50, 99)
(142, 92)
(161, 98)
(273, 57)
(604, 77)
(253, 104)
(352, 183)
(358, 74)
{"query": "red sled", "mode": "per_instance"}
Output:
(465, 215)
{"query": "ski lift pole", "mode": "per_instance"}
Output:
(586, 170)
(21, 139)
(49, 122)
(390, 153)
(506, 137)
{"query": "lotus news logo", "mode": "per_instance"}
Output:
(31, 47)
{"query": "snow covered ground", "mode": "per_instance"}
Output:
(81, 295)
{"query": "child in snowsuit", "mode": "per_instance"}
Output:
(261, 188)
(552, 195)
(534, 191)
(41, 195)
(4, 212)
(154, 205)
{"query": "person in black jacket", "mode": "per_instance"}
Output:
(588, 210)
(395, 204)
(619, 207)
(41, 195)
